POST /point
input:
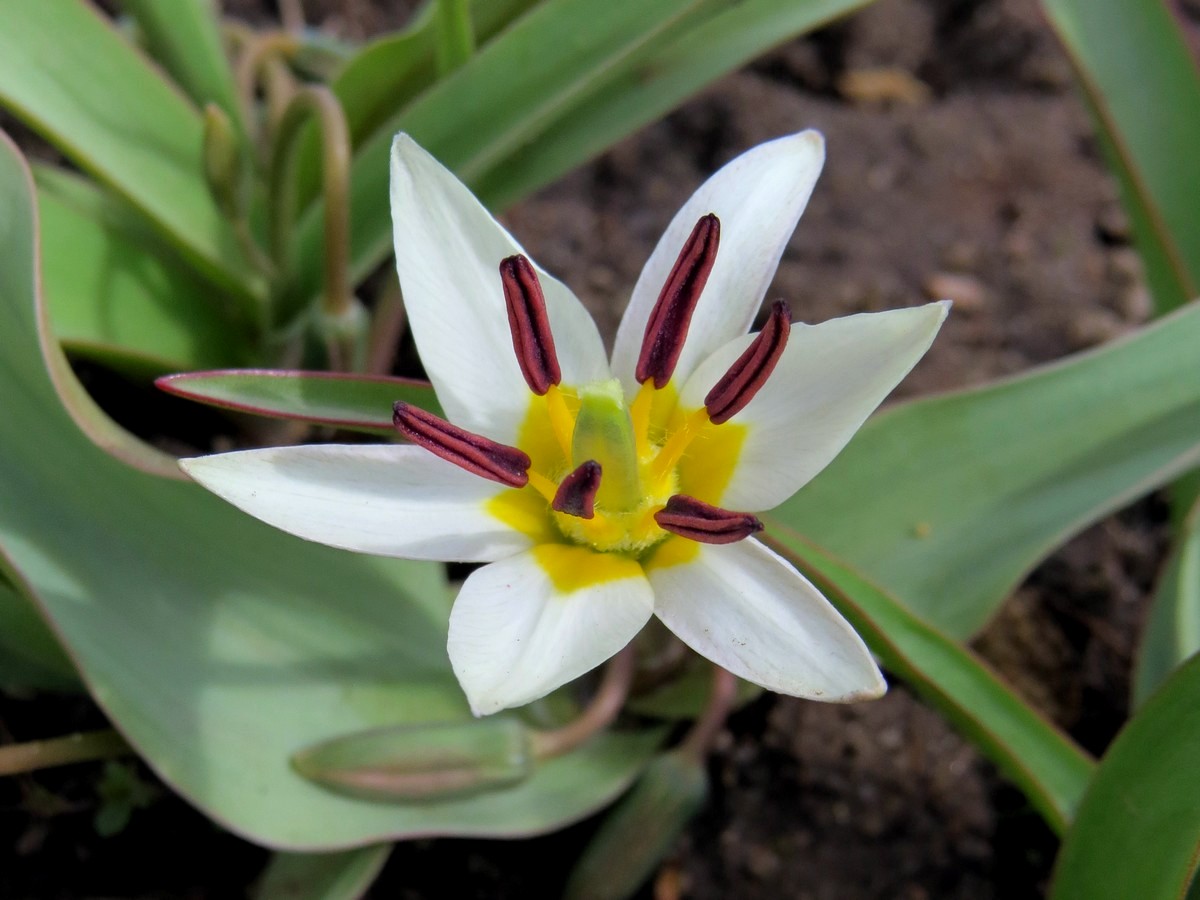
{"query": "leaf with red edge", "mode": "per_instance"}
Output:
(352, 402)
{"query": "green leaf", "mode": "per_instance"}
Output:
(1138, 829)
(455, 34)
(185, 36)
(30, 657)
(66, 73)
(694, 52)
(344, 400)
(219, 646)
(1172, 632)
(383, 78)
(118, 294)
(507, 136)
(639, 832)
(948, 502)
(489, 108)
(322, 876)
(1051, 770)
(1125, 51)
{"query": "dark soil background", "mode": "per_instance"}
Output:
(961, 163)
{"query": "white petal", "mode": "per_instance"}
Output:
(380, 499)
(758, 197)
(830, 378)
(747, 610)
(515, 636)
(448, 253)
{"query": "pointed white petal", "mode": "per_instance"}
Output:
(448, 254)
(743, 607)
(515, 635)
(830, 378)
(380, 499)
(758, 197)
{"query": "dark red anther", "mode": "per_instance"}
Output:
(576, 495)
(750, 372)
(699, 521)
(529, 324)
(672, 314)
(475, 453)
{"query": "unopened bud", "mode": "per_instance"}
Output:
(640, 830)
(223, 162)
(421, 762)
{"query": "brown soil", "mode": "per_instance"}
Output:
(961, 162)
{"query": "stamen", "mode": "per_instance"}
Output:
(529, 324)
(543, 485)
(639, 414)
(698, 521)
(577, 493)
(562, 420)
(750, 372)
(475, 453)
(668, 324)
(672, 451)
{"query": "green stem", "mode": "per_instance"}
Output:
(16, 759)
(320, 102)
(255, 50)
(291, 14)
(599, 714)
(721, 700)
(455, 35)
(387, 325)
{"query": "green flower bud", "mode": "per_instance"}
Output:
(421, 762)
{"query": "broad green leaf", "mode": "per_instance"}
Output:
(30, 657)
(322, 876)
(1124, 52)
(353, 402)
(119, 294)
(219, 646)
(66, 73)
(1172, 632)
(1137, 833)
(948, 502)
(1051, 770)
(486, 110)
(185, 36)
(694, 52)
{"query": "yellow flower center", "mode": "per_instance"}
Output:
(648, 451)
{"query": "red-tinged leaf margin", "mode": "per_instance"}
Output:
(233, 389)
(86, 413)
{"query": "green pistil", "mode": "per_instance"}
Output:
(604, 432)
